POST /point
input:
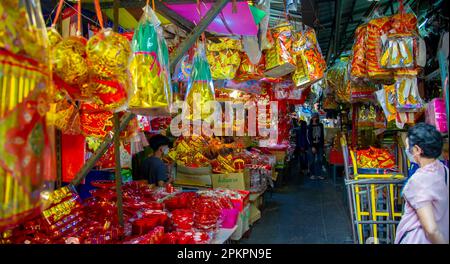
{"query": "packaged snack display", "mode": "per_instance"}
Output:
(310, 64)
(149, 66)
(249, 71)
(337, 79)
(200, 89)
(279, 60)
(359, 66)
(375, 29)
(375, 158)
(224, 57)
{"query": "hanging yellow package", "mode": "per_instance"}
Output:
(150, 66)
(224, 58)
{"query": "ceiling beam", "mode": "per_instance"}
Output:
(334, 38)
(350, 17)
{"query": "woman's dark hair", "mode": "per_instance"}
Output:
(314, 115)
(157, 141)
(427, 138)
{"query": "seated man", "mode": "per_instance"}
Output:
(153, 168)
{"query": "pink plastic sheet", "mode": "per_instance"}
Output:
(240, 23)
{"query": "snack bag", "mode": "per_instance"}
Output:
(200, 83)
(358, 65)
(279, 61)
(224, 58)
(150, 65)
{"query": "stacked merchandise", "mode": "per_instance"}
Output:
(164, 215)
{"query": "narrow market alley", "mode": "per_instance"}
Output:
(304, 211)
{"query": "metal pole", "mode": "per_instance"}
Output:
(116, 122)
(58, 139)
(198, 30)
(118, 175)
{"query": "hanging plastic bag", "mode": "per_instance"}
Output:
(359, 63)
(279, 61)
(249, 71)
(376, 28)
(408, 98)
(251, 48)
(200, 88)
(26, 155)
(150, 65)
(311, 65)
(224, 58)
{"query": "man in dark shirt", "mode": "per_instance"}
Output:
(153, 168)
(316, 140)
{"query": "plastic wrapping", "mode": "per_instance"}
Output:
(183, 69)
(436, 114)
(26, 163)
(224, 57)
(408, 98)
(337, 80)
(249, 71)
(150, 65)
(359, 66)
(108, 55)
(69, 60)
(279, 60)
(200, 83)
(375, 29)
(310, 64)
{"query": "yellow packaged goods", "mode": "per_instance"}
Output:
(200, 87)
(279, 61)
(375, 29)
(149, 65)
(359, 66)
(224, 57)
(249, 71)
(310, 63)
(108, 55)
(69, 60)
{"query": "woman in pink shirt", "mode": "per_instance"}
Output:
(425, 218)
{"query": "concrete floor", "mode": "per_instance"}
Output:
(303, 211)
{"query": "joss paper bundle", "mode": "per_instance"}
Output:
(200, 88)
(311, 65)
(279, 60)
(150, 65)
(224, 57)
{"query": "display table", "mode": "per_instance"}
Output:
(223, 235)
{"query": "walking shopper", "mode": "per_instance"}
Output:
(316, 145)
(425, 217)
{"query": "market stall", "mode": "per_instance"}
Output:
(83, 95)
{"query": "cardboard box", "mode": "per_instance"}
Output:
(232, 181)
(243, 224)
(255, 213)
(193, 180)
